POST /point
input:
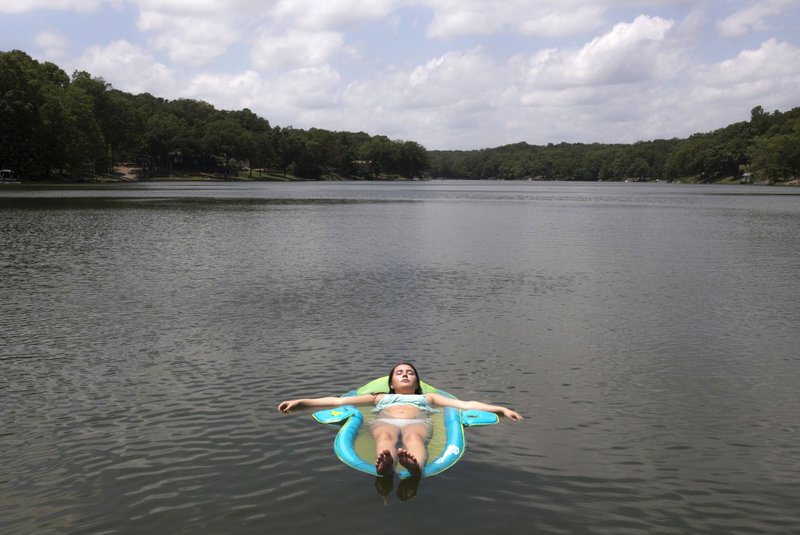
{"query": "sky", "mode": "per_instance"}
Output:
(449, 74)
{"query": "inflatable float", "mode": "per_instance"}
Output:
(447, 441)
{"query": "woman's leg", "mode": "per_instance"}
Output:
(386, 436)
(414, 454)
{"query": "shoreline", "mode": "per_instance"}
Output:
(128, 174)
(126, 179)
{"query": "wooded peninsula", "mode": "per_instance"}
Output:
(54, 127)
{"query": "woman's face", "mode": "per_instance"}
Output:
(404, 380)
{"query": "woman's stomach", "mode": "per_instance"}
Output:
(402, 411)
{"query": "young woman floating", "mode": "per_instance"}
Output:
(403, 417)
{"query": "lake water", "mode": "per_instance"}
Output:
(649, 333)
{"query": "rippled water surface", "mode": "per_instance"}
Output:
(649, 334)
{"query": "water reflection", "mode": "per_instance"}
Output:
(406, 488)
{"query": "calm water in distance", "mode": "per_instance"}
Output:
(650, 334)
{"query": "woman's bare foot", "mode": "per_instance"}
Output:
(409, 462)
(384, 465)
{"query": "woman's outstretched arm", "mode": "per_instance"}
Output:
(438, 399)
(366, 399)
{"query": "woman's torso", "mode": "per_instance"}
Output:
(403, 406)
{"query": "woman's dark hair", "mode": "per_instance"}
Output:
(419, 381)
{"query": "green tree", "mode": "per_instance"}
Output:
(381, 155)
(262, 149)
(50, 140)
(308, 161)
(163, 134)
(413, 159)
(639, 169)
(226, 138)
(125, 124)
(777, 157)
(85, 143)
(288, 143)
(97, 90)
(20, 100)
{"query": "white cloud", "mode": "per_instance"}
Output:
(305, 95)
(440, 103)
(544, 18)
(452, 80)
(315, 15)
(456, 81)
(227, 91)
(448, 73)
(192, 39)
(768, 74)
(629, 53)
(316, 87)
(128, 68)
(184, 7)
(220, 8)
(22, 6)
(294, 49)
(629, 84)
(582, 19)
(772, 60)
(288, 34)
(751, 18)
(53, 44)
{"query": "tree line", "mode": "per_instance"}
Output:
(54, 124)
(765, 148)
(51, 123)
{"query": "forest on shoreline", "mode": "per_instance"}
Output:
(765, 149)
(61, 128)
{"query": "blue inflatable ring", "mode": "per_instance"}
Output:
(453, 422)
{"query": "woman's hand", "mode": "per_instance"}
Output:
(286, 406)
(512, 415)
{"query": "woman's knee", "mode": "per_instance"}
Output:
(385, 435)
(415, 437)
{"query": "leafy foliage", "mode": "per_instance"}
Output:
(81, 125)
(767, 148)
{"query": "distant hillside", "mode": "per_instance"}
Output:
(764, 149)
